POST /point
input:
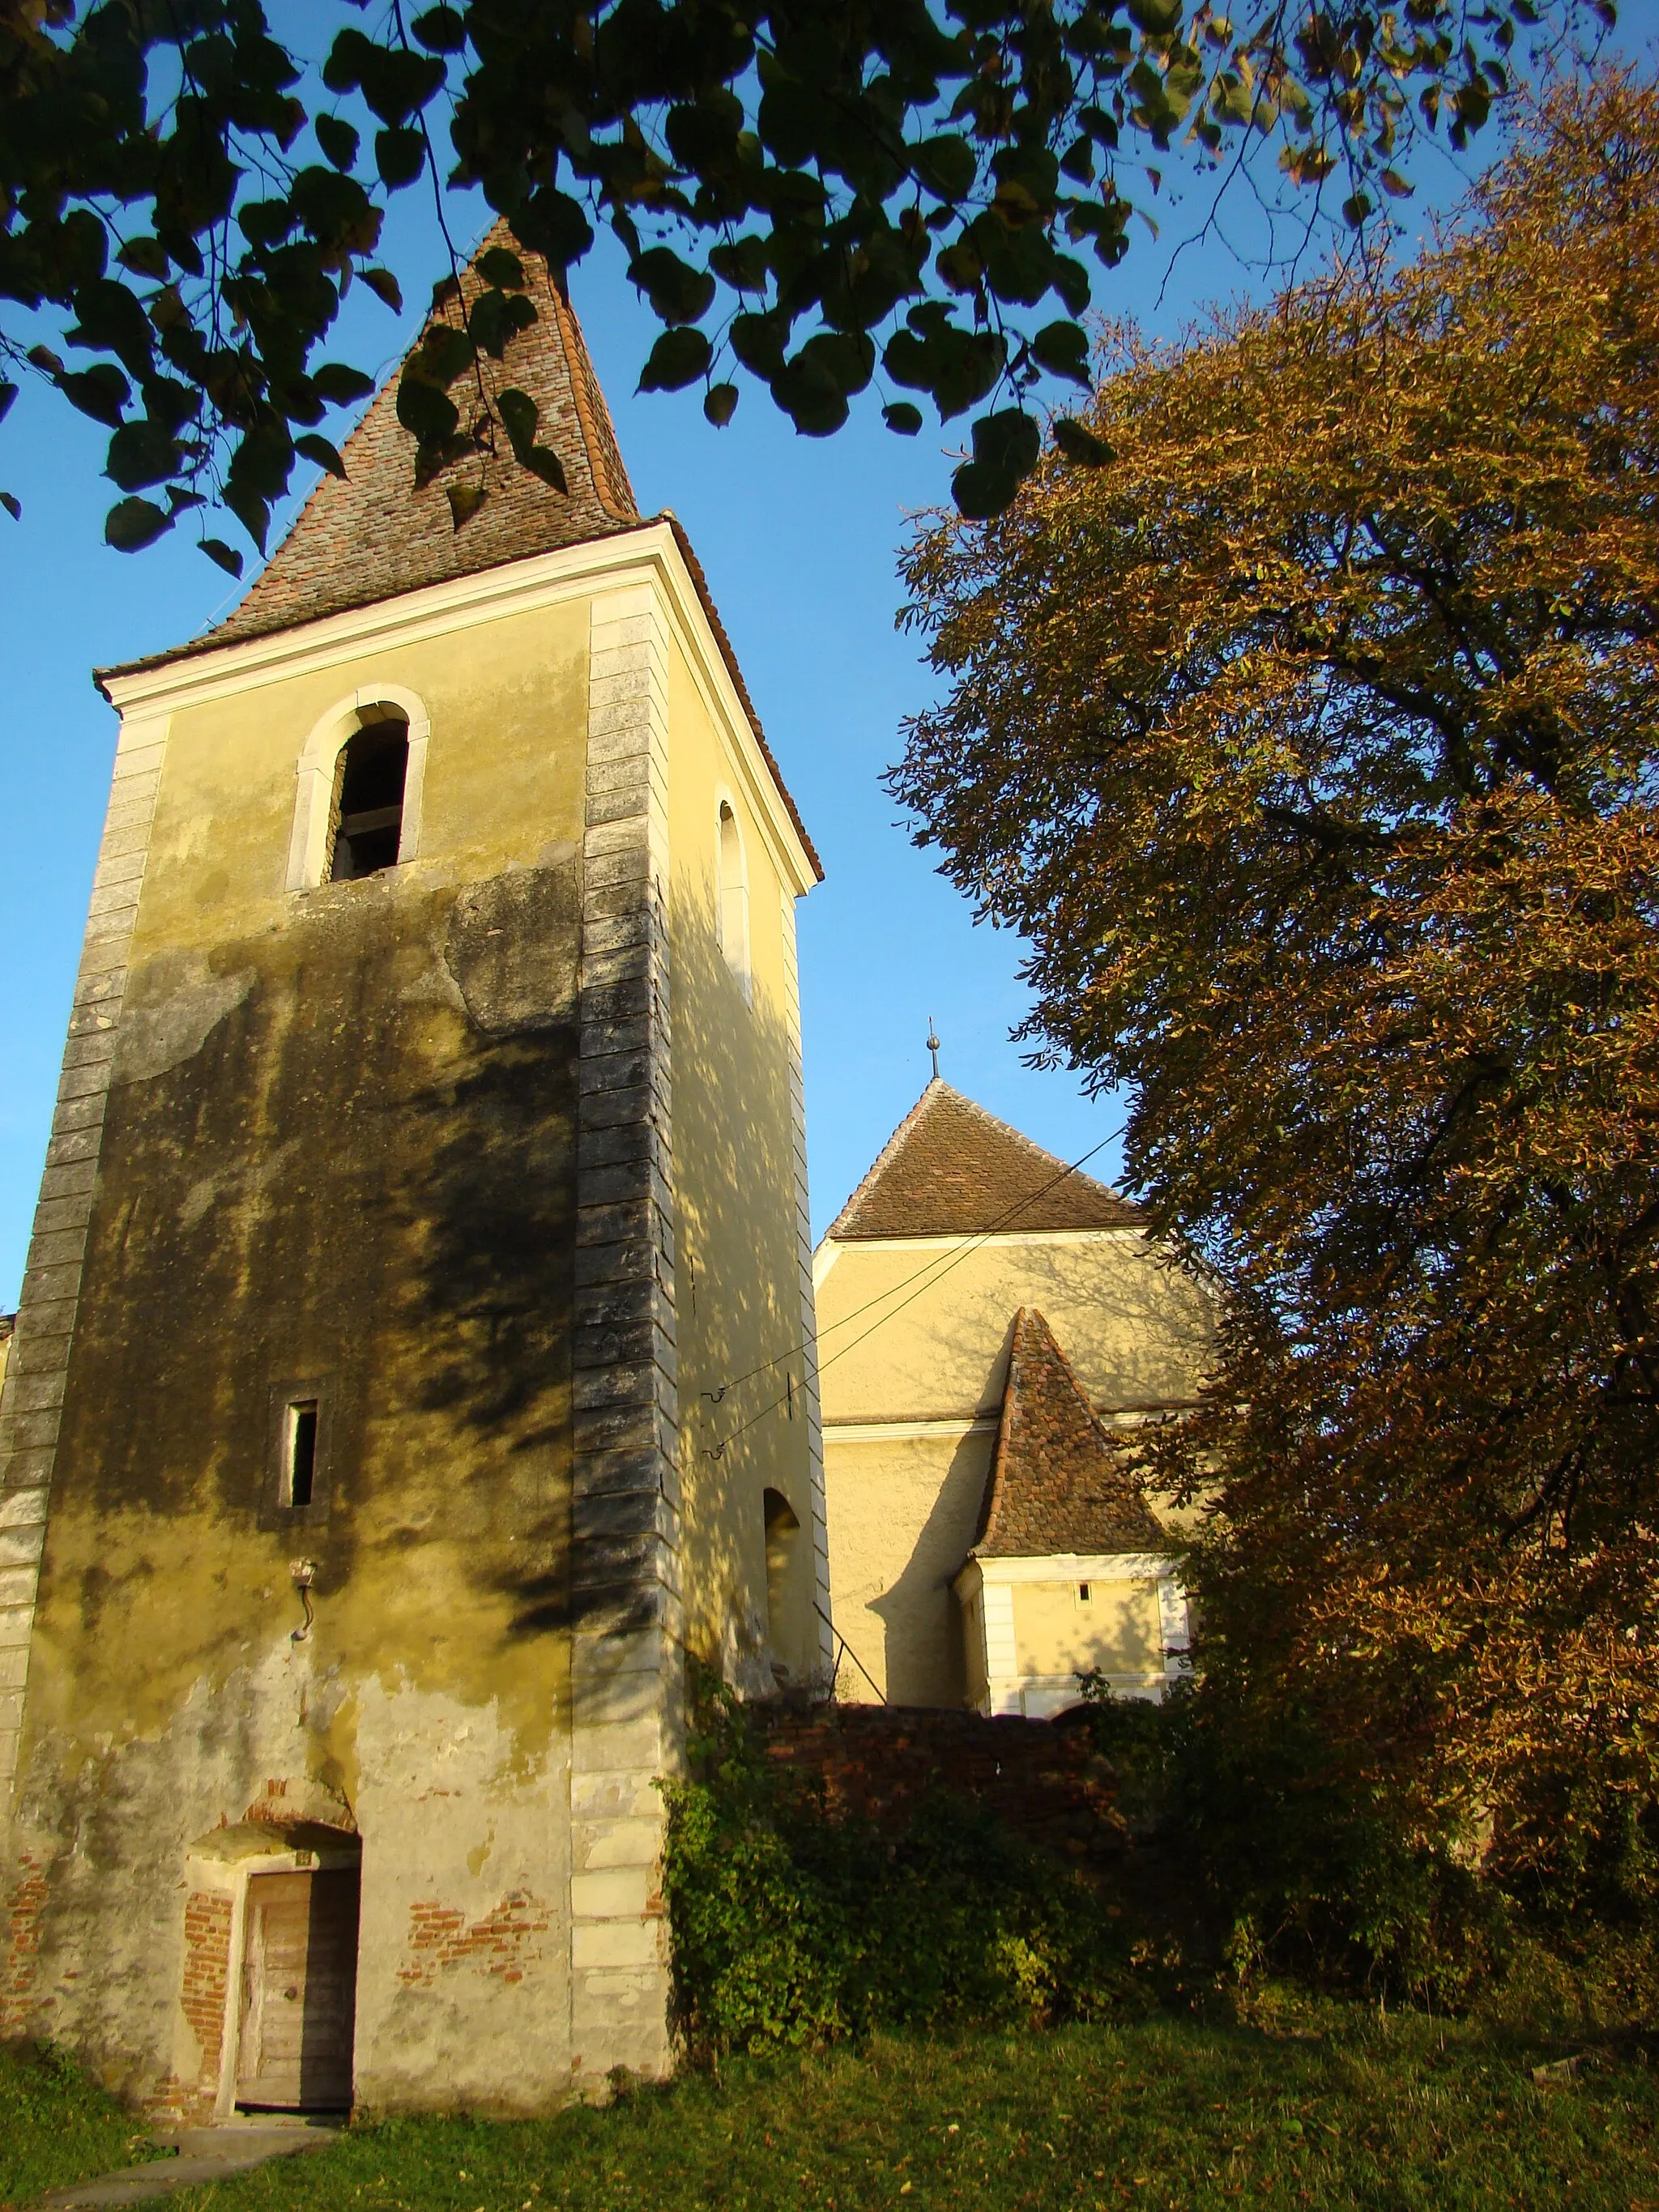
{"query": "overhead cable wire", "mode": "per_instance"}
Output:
(974, 1235)
(952, 1259)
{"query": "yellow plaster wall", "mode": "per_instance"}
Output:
(1118, 1630)
(504, 774)
(300, 1078)
(902, 1516)
(503, 789)
(737, 1303)
(1136, 1330)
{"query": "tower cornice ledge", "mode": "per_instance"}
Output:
(656, 554)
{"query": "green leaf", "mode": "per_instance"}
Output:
(1079, 444)
(496, 316)
(400, 156)
(132, 524)
(499, 266)
(678, 358)
(8, 393)
(1063, 349)
(742, 261)
(385, 287)
(423, 410)
(393, 81)
(145, 257)
(1158, 19)
(141, 453)
(101, 392)
(553, 224)
(1007, 445)
(812, 388)
(1078, 161)
(340, 142)
(720, 403)
(227, 556)
(901, 416)
(442, 30)
(320, 450)
(12, 505)
(464, 501)
(935, 355)
(758, 342)
(111, 321)
(336, 382)
(678, 293)
(336, 209)
(947, 165)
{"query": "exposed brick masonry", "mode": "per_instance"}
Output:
(503, 1941)
(1044, 1782)
(24, 1907)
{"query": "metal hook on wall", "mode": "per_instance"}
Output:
(304, 1573)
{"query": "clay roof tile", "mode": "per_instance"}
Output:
(1055, 1485)
(376, 534)
(950, 1168)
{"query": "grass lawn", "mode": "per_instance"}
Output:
(1169, 2112)
(56, 2128)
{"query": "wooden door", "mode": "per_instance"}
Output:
(299, 1991)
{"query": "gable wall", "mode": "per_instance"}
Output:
(913, 1336)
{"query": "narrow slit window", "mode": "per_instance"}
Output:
(368, 791)
(733, 911)
(1083, 1597)
(299, 1453)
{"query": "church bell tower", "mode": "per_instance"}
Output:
(428, 1144)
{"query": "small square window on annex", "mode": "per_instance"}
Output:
(355, 1345)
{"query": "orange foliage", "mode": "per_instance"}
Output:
(1312, 741)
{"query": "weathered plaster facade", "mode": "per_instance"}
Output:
(420, 1149)
(919, 1284)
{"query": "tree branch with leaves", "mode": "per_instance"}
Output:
(819, 196)
(1312, 743)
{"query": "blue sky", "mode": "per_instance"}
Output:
(799, 539)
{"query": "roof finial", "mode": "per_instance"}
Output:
(933, 1047)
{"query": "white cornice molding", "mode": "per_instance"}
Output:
(648, 556)
(953, 1428)
(1078, 1567)
(832, 1249)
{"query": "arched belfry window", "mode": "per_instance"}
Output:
(369, 779)
(357, 797)
(733, 914)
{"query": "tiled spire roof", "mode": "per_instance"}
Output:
(1055, 1485)
(950, 1168)
(375, 534)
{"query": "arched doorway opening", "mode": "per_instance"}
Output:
(277, 1901)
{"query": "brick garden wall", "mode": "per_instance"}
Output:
(1042, 1779)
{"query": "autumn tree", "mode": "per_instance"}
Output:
(820, 195)
(1311, 741)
